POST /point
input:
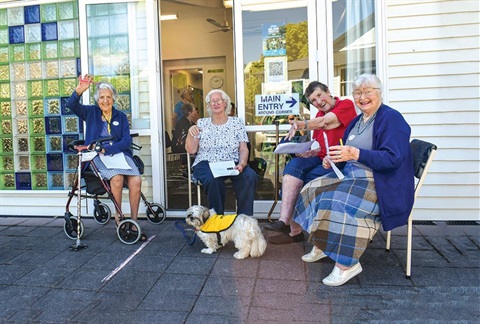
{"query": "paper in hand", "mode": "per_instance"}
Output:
(334, 167)
(293, 148)
(223, 169)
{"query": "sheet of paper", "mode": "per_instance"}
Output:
(223, 168)
(293, 148)
(334, 167)
(116, 161)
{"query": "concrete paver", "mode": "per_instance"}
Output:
(169, 281)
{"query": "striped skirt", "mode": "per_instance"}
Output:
(109, 173)
(342, 216)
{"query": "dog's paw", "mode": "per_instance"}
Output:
(240, 255)
(208, 250)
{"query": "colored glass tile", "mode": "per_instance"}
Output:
(32, 14)
(18, 71)
(35, 89)
(21, 107)
(38, 143)
(67, 48)
(19, 90)
(98, 10)
(8, 180)
(119, 44)
(34, 70)
(67, 10)
(49, 31)
(48, 12)
(36, 107)
(102, 65)
(34, 51)
(123, 102)
(68, 68)
(4, 37)
(4, 72)
(16, 34)
(55, 180)
(52, 88)
(67, 86)
(121, 64)
(54, 143)
(22, 144)
(4, 54)
(7, 162)
(102, 46)
(23, 162)
(33, 33)
(70, 124)
(37, 126)
(65, 109)
(50, 50)
(118, 24)
(4, 90)
(39, 180)
(70, 178)
(99, 26)
(6, 125)
(53, 125)
(6, 108)
(54, 162)
(67, 139)
(17, 52)
(23, 180)
(51, 69)
(22, 126)
(118, 8)
(15, 16)
(67, 29)
(6, 144)
(71, 161)
(3, 17)
(52, 106)
(39, 162)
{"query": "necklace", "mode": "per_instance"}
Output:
(107, 120)
(359, 124)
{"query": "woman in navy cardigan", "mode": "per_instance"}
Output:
(343, 215)
(103, 120)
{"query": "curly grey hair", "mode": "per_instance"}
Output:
(108, 86)
(367, 80)
(224, 96)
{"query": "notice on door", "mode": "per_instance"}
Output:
(277, 104)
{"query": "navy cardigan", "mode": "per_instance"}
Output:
(391, 160)
(92, 115)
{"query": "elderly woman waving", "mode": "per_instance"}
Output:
(342, 216)
(218, 138)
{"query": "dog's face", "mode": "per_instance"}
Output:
(197, 215)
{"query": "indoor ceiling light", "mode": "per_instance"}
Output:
(169, 17)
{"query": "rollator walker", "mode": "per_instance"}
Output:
(128, 230)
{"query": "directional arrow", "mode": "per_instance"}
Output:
(292, 102)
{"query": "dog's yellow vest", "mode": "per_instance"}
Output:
(218, 223)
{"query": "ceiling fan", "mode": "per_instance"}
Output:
(224, 27)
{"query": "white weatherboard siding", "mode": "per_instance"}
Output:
(434, 80)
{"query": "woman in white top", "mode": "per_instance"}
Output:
(222, 138)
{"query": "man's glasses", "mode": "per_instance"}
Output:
(367, 93)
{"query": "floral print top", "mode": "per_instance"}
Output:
(220, 142)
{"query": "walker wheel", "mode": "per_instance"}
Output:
(129, 231)
(156, 213)
(72, 231)
(102, 214)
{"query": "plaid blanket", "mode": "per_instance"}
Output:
(342, 216)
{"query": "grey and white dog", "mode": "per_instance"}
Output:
(244, 232)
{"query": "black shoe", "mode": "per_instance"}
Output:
(278, 226)
(286, 238)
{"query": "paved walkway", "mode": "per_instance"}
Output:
(169, 281)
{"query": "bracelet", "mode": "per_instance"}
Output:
(306, 124)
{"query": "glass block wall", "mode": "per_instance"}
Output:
(39, 65)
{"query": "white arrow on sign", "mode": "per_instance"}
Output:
(277, 104)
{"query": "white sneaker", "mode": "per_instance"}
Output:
(314, 255)
(338, 277)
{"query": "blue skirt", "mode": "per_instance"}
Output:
(342, 216)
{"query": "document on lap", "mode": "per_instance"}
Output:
(293, 148)
(334, 167)
(116, 161)
(223, 169)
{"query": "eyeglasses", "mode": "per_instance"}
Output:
(214, 102)
(367, 93)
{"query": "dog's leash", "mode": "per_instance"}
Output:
(181, 227)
